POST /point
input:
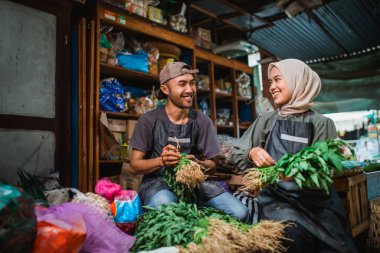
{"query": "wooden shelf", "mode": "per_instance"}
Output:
(113, 161)
(122, 115)
(222, 95)
(242, 99)
(244, 127)
(145, 26)
(225, 127)
(220, 60)
(203, 91)
(127, 74)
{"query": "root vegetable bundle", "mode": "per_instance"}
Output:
(311, 167)
(205, 230)
(184, 178)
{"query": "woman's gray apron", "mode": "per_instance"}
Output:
(322, 215)
(166, 133)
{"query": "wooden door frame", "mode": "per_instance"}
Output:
(60, 125)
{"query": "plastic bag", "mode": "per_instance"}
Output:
(105, 188)
(59, 233)
(137, 61)
(111, 95)
(17, 220)
(126, 207)
(102, 234)
(117, 40)
(104, 41)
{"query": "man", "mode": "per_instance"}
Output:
(155, 137)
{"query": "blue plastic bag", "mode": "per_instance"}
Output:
(126, 207)
(137, 61)
(112, 95)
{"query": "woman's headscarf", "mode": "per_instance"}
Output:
(303, 83)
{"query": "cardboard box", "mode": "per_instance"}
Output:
(120, 137)
(155, 14)
(129, 181)
(117, 125)
(139, 7)
(110, 15)
(203, 34)
(131, 124)
(109, 147)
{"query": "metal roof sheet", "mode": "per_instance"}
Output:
(354, 24)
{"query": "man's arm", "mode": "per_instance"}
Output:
(140, 165)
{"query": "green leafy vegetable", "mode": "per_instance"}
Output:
(183, 191)
(312, 166)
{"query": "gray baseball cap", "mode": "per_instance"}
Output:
(173, 70)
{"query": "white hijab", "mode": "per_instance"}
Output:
(303, 83)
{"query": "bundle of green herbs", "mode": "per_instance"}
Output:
(32, 185)
(184, 178)
(311, 167)
(194, 229)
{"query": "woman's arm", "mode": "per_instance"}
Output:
(249, 149)
(324, 129)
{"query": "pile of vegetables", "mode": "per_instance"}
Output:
(194, 229)
(311, 167)
(184, 178)
(32, 185)
(372, 167)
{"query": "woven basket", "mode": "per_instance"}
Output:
(166, 48)
(374, 227)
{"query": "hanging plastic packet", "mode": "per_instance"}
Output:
(111, 95)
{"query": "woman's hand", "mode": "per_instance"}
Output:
(260, 157)
(170, 156)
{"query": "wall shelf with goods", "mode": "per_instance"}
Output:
(245, 100)
(223, 94)
(96, 70)
(143, 31)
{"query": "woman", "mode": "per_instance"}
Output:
(320, 223)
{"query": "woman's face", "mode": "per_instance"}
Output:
(278, 87)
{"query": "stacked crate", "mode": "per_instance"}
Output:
(353, 193)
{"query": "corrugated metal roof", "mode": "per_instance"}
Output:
(354, 24)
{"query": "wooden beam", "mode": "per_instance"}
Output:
(220, 60)
(26, 122)
(223, 27)
(201, 22)
(231, 15)
(241, 10)
(199, 9)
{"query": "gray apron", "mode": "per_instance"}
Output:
(322, 215)
(166, 133)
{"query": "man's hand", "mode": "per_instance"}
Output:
(170, 156)
(260, 157)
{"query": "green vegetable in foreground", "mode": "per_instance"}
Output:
(181, 224)
(184, 192)
(311, 167)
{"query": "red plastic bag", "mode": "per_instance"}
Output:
(59, 236)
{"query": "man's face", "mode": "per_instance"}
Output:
(181, 90)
